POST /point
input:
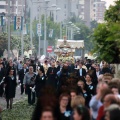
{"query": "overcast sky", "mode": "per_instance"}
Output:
(109, 2)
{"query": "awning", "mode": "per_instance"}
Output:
(73, 43)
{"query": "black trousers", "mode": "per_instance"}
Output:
(22, 89)
(31, 95)
(1, 90)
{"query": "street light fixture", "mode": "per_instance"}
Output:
(47, 1)
(8, 28)
(54, 5)
(70, 22)
(58, 9)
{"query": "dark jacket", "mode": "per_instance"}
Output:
(52, 76)
(83, 73)
(39, 84)
(21, 74)
(10, 87)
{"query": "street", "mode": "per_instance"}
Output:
(17, 98)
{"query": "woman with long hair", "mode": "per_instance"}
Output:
(10, 88)
(81, 113)
(40, 82)
(64, 110)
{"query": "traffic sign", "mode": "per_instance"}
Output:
(49, 49)
(39, 29)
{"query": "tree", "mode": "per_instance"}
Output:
(113, 13)
(106, 36)
(51, 25)
(15, 42)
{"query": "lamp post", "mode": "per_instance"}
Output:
(45, 33)
(8, 29)
(22, 41)
(60, 30)
(40, 33)
(31, 43)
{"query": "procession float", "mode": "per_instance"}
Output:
(65, 51)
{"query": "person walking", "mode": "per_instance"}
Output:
(29, 83)
(10, 87)
(52, 76)
(2, 74)
(40, 82)
(22, 73)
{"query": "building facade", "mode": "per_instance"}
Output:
(90, 10)
(60, 10)
(2, 6)
(99, 10)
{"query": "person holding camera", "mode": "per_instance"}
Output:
(29, 85)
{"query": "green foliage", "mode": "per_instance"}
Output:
(15, 42)
(113, 13)
(85, 32)
(107, 36)
(50, 25)
(94, 24)
(84, 35)
(20, 111)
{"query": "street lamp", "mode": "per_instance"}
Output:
(39, 34)
(22, 41)
(58, 9)
(31, 43)
(8, 28)
(46, 2)
(54, 5)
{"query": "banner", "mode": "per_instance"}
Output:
(51, 33)
(18, 21)
(39, 28)
(1, 21)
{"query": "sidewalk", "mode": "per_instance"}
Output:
(17, 98)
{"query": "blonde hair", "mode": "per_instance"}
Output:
(78, 100)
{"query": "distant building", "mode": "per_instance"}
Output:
(2, 6)
(68, 8)
(91, 10)
(15, 7)
(99, 10)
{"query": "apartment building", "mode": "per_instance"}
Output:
(99, 10)
(91, 10)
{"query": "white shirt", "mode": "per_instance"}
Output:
(98, 73)
(80, 71)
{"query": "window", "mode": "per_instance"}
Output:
(76, 6)
(2, 6)
(65, 6)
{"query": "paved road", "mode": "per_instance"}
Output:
(17, 98)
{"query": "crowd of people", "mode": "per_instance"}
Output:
(83, 90)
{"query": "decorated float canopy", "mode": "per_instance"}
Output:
(65, 49)
(76, 44)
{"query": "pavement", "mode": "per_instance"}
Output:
(18, 97)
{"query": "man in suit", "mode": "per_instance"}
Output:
(52, 76)
(98, 71)
(70, 66)
(81, 71)
(32, 63)
(1, 78)
(58, 66)
(22, 72)
(92, 72)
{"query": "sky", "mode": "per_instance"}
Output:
(109, 2)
